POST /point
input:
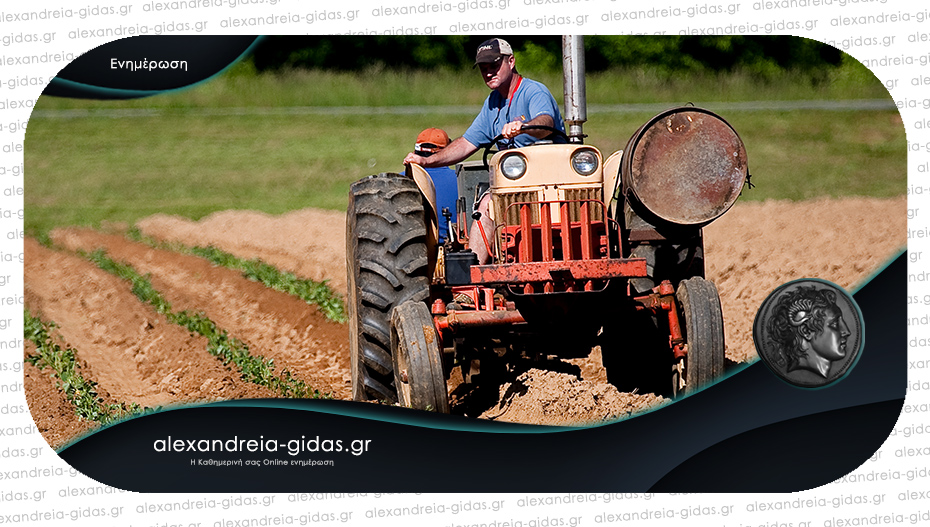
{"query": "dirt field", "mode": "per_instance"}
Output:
(136, 355)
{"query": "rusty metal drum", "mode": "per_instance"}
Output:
(686, 166)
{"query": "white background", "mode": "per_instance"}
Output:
(891, 488)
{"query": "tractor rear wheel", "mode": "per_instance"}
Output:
(387, 266)
(699, 304)
(418, 370)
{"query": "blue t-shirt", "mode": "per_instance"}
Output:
(531, 100)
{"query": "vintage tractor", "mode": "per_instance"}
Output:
(586, 251)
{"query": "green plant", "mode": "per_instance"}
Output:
(253, 368)
(80, 392)
(315, 293)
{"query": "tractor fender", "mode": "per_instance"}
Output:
(612, 187)
(425, 183)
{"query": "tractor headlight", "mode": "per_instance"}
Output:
(584, 162)
(513, 166)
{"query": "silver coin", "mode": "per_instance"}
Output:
(809, 332)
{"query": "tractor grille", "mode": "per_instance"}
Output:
(594, 210)
(511, 215)
(555, 236)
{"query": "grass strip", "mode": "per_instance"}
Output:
(80, 392)
(315, 293)
(253, 368)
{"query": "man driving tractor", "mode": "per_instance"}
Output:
(571, 249)
(514, 103)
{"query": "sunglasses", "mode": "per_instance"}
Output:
(491, 66)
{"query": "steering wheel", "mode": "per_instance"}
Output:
(487, 146)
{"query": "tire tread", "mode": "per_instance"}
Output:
(703, 327)
(387, 264)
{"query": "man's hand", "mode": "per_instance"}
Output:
(512, 129)
(457, 151)
(413, 159)
(540, 120)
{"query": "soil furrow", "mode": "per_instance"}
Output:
(277, 326)
(318, 253)
(53, 414)
(749, 251)
(134, 354)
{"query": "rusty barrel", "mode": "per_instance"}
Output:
(686, 166)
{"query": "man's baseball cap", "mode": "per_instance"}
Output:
(491, 50)
(431, 141)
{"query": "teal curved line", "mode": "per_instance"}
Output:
(423, 419)
(91, 89)
(877, 272)
(138, 94)
(415, 418)
(406, 417)
(147, 411)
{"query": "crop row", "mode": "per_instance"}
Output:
(311, 292)
(253, 368)
(80, 392)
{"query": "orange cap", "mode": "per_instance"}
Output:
(431, 140)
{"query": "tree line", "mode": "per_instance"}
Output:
(755, 54)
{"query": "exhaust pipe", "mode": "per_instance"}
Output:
(576, 112)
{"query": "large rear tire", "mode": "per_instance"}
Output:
(699, 304)
(418, 370)
(386, 259)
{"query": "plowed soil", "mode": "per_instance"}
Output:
(136, 355)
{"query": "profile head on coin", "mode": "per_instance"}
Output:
(808, 326)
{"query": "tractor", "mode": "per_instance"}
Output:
(586, 251)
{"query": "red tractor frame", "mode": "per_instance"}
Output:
(586, 252)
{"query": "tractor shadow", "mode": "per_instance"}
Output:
(475, 399)
(492, 396)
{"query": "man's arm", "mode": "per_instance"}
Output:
(457, 150)
(512, 129)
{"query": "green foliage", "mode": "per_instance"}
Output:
(80, 392)
(341, 53)
(765, 57)
(624, 51)
(141, 286)
(253, 368)
(315, 293)
(536, 58)
(761, 54)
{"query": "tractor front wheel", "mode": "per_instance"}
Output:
(418, 370)
(387, 266)
(702, 317)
